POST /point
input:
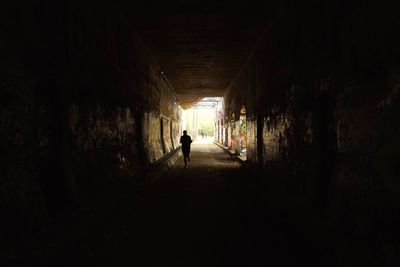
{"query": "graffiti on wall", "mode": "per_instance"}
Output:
(175, 132)
(152, 136)
(242, 131)
(166, 135)
(226, 132)
(233, 144)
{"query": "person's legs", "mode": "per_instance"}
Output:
(185, 156)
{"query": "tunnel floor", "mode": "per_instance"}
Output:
(207, 214)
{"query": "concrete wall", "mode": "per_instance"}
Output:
(24, 135)
(81, 105)
(322, 99)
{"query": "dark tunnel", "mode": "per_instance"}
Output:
(303, 164)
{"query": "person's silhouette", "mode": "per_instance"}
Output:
(185, 141)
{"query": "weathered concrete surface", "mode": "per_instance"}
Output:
(202, 48)
(323, 105)
(81, 103)
(208, 214)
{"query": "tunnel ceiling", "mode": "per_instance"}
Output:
(200, 47)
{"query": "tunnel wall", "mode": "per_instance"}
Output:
(24, 135)
(322, 99)
(81, 107)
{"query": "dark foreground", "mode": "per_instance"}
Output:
(211, 213)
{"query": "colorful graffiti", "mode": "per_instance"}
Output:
(242, 131)
(226, 132)
(233, 133)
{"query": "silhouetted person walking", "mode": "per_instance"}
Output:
(185, 141)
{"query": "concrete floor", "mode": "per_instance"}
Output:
(207, 214)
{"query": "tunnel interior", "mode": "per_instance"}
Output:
(305, 115)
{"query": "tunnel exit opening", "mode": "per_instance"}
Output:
(199, 120)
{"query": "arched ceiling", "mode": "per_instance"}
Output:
(200, 47)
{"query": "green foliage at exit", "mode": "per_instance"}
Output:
(206, 129)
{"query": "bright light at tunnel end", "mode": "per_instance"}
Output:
(199, 119)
